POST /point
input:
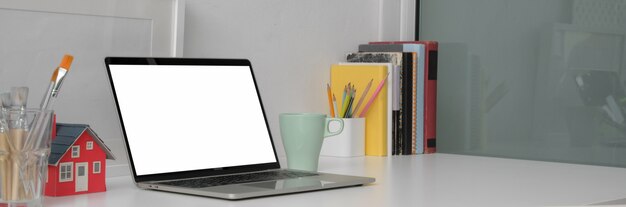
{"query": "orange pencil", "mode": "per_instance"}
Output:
(330, 101)
(367, 88)
(335, 105)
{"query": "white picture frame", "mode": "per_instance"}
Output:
(168, 16)
(33, 46)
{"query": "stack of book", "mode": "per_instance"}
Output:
(403, 120)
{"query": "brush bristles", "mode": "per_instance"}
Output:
(19, 95)
(66, 62)
(5, 100)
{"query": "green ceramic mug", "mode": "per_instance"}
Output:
(303, 135)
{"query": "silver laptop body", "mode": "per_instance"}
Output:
(197, 126)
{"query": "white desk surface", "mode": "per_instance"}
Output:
(422, 180)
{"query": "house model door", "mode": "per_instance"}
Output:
(82, 179)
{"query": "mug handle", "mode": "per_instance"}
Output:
(327, 132)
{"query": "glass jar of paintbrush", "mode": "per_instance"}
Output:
(24, 150)
(25, 137)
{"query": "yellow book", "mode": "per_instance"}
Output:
(376, 119)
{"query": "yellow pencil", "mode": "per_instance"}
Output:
(344, 103)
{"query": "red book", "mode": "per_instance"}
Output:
(430, 92)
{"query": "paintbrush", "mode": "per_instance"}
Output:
(5, 100)
(56, 81)
(4, 164)
(17, 140)
(51, 94)
(19, 96)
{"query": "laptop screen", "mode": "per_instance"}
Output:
(190, 117)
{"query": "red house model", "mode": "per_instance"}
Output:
(77, 162)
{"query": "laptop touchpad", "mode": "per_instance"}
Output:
(304, 182)
(235, 189)
(289, 183)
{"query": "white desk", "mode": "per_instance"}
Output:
(424, 180)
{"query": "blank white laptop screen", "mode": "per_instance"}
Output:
(182, 117)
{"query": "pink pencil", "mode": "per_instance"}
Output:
(369, 102)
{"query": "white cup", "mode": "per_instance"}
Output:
(349, 143)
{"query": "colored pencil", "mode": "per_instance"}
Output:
(335, 105)
(330, 101)
(343, 98)
(367, 88)
(345, 89)
(369, 103)
(350, 104)
(344, 105)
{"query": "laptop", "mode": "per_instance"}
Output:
(197, 126)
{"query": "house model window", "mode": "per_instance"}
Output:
(96, 167)
(75, 151)
(65, 173)
(89, 145)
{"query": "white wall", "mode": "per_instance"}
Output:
(291, 43)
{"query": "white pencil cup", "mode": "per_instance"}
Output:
(349, 143)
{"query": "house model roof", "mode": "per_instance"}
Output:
(66, 135)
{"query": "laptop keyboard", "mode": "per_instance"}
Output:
(237, 179)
